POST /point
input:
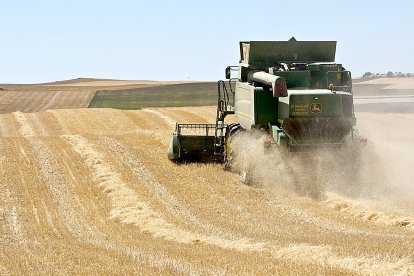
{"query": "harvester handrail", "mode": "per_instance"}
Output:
(224, 107)
(346, 87)
(207, 127)
(223, 93)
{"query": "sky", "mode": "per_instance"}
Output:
(49, 40)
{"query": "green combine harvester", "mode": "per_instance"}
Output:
(292, 90)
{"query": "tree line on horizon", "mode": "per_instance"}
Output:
(389, 74)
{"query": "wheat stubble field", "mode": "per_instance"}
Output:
(91, 191)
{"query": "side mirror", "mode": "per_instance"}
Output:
(228, 72)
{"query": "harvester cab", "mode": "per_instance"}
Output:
(292, 89)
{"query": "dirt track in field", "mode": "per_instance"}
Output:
(92, 191)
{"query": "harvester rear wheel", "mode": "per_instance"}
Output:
(232, 129)
(245, 174)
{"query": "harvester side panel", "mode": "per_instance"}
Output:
(255, 106)
(243, 105)
(265, 106)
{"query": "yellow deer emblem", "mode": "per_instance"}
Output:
(316, 108)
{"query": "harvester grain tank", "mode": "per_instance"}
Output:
(292, 90)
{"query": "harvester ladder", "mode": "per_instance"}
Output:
(225, 101)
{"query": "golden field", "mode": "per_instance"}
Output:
(91, 191)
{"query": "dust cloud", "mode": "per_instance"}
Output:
(378, 176)
(387, 162)
(307, 173)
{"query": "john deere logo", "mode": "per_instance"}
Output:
(316, 108)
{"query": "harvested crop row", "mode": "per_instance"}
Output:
(91, 191)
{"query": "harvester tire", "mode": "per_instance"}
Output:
(228, 155)
(245, 173)
(228, 151)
